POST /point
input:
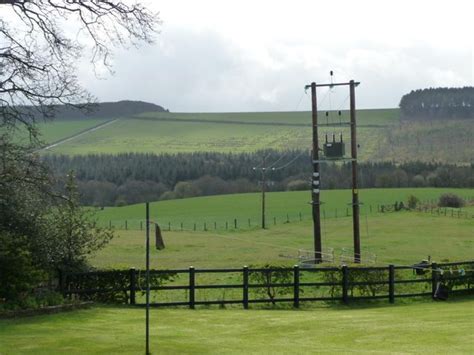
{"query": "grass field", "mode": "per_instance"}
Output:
(433, 328)
(381, 135)
(53, 131)
(226, 208)
(364, 117)
(401, 238)
(218, 132)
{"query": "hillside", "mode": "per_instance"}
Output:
(116, 109)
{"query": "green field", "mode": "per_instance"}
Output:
(226, 208)
(380, 133)
(433, 328)
(364, 117)
(401, 238)
(221, 132)
(53, 131)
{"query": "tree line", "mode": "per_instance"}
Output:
(107, 180)
(438, 103)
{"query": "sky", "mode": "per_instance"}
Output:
(215, 56)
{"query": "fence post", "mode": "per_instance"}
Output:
(215, 225)
(132, 277)
(345, 284)
(141, 225)
(235, 223)
(245, 287)
(434, 278)
(192, 284)
(296, 286)
(194, 226)
(249, 222)
(62, 282)
(347, 212)
(126, 225)
(301, 218)
(391, 283)
(169, 226)
(205, 226)
(287, 218)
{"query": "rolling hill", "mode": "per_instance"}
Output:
(381, 134)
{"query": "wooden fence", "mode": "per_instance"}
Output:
(346, 284)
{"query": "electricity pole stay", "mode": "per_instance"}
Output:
(333, 151)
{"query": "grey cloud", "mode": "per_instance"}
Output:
(202, 71)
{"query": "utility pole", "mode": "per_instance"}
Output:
(147, 266)
(263, 170)
(355, 191)
(315, 183)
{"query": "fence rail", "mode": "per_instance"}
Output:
(273, 284)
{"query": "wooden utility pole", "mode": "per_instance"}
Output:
(315, 181)
(355, 191)
(147, 266)
(264, 183)
(263, 170)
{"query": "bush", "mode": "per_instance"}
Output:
(297, 185)
(412, 202)
(268, 276)
(450, 200)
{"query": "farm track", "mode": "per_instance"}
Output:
(81, 133)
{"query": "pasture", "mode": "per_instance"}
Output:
(166, 132)
(381, 134)
(428, 327)
(280, 205)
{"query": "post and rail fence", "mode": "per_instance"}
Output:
(301, 284)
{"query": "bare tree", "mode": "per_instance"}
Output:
(41, 41)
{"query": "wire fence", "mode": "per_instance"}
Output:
(239, 223)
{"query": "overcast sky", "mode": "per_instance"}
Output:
(258, 55)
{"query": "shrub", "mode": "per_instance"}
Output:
(269, 275)
(450, 200)
(412, 202)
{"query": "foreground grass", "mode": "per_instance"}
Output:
(400, 238)
(430, 328)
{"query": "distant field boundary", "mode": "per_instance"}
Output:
(232, 223)
(80, 133)
(236, 122)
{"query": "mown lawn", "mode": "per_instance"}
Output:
(414, 328)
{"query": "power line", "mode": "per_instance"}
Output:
(290, 162)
